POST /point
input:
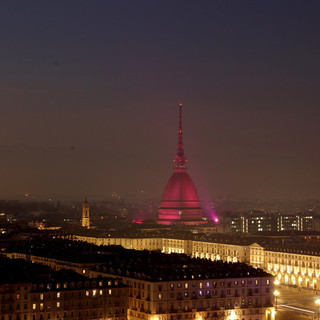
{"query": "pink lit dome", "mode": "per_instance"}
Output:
(180, 201)
(180, 188)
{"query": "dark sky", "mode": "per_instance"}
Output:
(89, 93)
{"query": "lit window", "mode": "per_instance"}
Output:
(58, 304)
(34, 306)
(94, 292)
(186, 285)
(160, 296)
(200, 285)
(87, 293)
(41, 296)
(18, 296)
(101, 292)
(41, 306)
(58, 294)
(109, 291)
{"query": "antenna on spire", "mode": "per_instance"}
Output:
(180, 160)
(180, 123)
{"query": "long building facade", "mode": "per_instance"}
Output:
(296, 267)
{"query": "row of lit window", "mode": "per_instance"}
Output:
(72, 285)
(93, 292)
(208, 293)
(214, 284)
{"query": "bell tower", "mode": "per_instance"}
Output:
(85, 214)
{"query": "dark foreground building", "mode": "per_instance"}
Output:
(166, 286)
(30, 291)
(177, 287)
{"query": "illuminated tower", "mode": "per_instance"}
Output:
(85, 214)
(180, 201)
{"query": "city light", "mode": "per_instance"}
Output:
(232, 315)
(318, 307)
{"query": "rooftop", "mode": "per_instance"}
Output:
(157, 266)
(151, 265)
(14, 271)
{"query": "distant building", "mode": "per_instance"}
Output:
(260, 221)
(296, 222)
(307, 222)
(85, 214)
(253, 222)
(180, 201)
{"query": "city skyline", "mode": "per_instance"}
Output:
(89, 95)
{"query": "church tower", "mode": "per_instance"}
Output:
(180, 201)
(85, 214)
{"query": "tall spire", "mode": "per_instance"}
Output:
(180, 160)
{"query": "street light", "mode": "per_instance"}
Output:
(277, 282)
(318, 305)
(276, 293)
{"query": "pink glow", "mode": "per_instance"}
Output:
(216, 220)
(139, 221)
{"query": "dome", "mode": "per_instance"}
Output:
(180, 188)
(180, 200)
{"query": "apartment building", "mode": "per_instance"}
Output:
(172, 287)
(30, 291)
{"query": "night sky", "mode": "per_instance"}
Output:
(89, 94)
